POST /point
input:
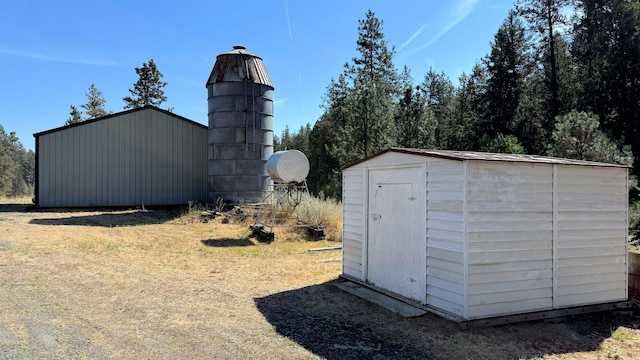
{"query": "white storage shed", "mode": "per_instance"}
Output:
(478, 235)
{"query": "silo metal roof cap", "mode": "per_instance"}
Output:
(239, 65)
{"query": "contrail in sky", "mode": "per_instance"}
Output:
(61, 59)
(286, 10)
(413, 37)
(275, 102)
(460, 12)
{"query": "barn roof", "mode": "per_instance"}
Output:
(82, 123)
(472, 155)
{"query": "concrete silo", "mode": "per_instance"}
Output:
(240, 97)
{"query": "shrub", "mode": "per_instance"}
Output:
(326, 212)
(505, 144)
(634, 224)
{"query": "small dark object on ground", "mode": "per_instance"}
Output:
(261, 234)
(316, 232)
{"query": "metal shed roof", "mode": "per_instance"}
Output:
(472, 155)
(118, 114)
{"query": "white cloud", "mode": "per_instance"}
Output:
(286, 11)
(461, 10)
(279, 101)
(57, 58)
(413, 37)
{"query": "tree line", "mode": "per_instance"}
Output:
(17, 167)
(148, 90)
(562, 78)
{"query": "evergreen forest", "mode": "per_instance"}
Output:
(562, 78)
(17, 167)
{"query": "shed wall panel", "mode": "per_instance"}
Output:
(354, 222)
(591, 236)
(144, 156)
(510, 223)
(445, 235)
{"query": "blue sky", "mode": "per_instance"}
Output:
(51, 51)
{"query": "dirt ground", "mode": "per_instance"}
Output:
(133, 284)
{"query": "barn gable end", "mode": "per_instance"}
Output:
(143, 156)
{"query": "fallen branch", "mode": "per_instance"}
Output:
(336, 247)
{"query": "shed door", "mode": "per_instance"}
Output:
(397, 231)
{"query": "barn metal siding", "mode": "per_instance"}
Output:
(591, 235)
(146, 156)
(353, 222)
(445, 235)
(509, 238)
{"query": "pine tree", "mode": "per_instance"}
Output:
(532, 115)
(17, 166)
(374, 79)
(415, 122)
(324, 168)
(470, 106)
(293, 140)
(438, 94)
(324, 164)
(358, 120)
(507, 66)
(148, 90)
(607, 58)
(75, 116)
(360, 104)
(568, 86)
(94, 107)
(545, 18)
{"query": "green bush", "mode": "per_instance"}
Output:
(504, 144)
(634, 224)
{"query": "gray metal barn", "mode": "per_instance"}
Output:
(477, 235)
(142, 156)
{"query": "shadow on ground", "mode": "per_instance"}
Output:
(318, 318)
(16, 208)
(107, 219)
(229, 242)
(336, 325)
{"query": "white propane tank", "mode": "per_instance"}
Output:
(288, 166)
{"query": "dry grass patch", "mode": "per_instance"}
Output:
(16, 200)
(140, 284)
(324, 212)
(134, 284)
(623, 343)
